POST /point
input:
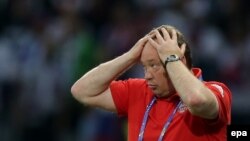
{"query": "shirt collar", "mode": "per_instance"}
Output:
(197, 72)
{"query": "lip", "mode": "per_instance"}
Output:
(151, 86)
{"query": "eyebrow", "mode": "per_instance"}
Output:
(148, 61)
(151, 60)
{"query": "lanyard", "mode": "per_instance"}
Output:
(145, 118)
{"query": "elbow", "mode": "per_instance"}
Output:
(81, 93)
(75, 91)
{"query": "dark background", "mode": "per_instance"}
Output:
(46, 45)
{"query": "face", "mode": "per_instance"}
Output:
(154, 72)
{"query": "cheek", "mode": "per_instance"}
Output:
(162, 78)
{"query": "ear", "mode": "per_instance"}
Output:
(183, 48)
(184, 60)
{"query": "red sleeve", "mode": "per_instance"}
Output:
(224, 98)
(119, 92)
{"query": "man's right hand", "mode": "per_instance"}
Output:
(93, 87)
(136, 50)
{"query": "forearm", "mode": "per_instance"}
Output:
(98, 79)
(192, 91)
(199, 99)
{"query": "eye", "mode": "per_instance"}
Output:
(155, 66)
(151, 66)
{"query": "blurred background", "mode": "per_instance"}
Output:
(46, 45)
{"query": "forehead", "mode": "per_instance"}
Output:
(149, 54)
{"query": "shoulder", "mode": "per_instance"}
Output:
(131, 85)
(221, 91)
(224, 99)
(218, 87)
(137, 82)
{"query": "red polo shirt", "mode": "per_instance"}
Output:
(133, 95)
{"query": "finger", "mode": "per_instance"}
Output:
(142, 40)
(151, 35)
(165, 33)
(174, 35)
(153, 43)
(151, 32)
(183, 48)
(159, 37)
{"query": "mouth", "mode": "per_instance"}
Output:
(151, 86)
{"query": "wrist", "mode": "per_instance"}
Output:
(171, 58)
(130, 57)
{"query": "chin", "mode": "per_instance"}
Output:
(160, 94)
(157, 94)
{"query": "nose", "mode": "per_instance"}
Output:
(148, 75)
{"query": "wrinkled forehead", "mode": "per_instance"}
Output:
(149, 53)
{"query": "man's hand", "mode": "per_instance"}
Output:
(135, 51)
(166, 45)
(93, 88)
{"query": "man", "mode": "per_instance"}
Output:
(172, 102)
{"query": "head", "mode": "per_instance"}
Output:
(154, 70)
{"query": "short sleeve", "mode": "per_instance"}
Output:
(224, 98)
(119, 92)
(126, 93)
